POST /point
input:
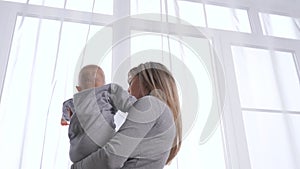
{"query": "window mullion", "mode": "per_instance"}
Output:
(232, 119)
(254, 20)
(121, 32)
(297, 62)
(6, 34)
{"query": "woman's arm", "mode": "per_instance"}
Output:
(141, 118)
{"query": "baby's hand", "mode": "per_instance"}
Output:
(63, 122)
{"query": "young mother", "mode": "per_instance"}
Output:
(151, 135)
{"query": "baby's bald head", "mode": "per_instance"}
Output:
(90, 76)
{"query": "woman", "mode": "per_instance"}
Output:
(151, 135)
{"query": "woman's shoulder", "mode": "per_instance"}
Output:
(151, 100)
(151, 104)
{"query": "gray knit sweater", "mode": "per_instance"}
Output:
(143, 141)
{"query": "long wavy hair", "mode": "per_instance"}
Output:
(158, 81)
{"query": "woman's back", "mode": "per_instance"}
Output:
(154, 148)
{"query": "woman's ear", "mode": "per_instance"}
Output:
(78, 88)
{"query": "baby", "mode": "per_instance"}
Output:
(90, 76)
(91, 81)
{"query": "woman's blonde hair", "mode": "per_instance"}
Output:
(156, 79)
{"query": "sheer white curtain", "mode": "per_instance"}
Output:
(238, 60)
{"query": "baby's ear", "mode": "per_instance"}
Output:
(78, 88)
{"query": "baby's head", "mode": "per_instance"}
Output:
(90, 76)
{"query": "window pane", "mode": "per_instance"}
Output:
(194, 156)
(39, 78)
(21, 1)
(101, 6)
(104, 7)
(153, 6)
(188, 11)
(227, 18)
(266, 79)
(80, 5)
(11, 144)
(273, 139)
(280, 26)
(50, 3)
(54, 3)
(192, 12)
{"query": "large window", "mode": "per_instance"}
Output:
(253, 47)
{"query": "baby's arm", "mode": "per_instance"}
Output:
(89, 114)
(67, 109)
(120, 98)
